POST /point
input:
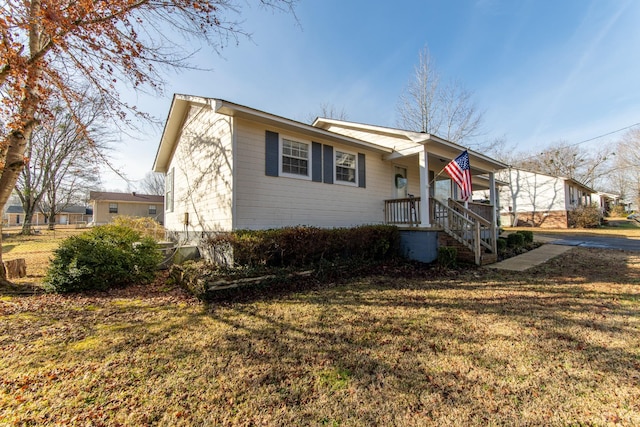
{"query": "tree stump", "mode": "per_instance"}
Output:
(16, 268)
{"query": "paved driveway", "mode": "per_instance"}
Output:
(594, 241)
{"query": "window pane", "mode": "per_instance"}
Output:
(295, 157)
(345, 167)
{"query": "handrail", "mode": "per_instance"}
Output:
(467, 227)
(468, 212)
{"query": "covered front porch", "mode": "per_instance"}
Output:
(470, 224)
(423, 197)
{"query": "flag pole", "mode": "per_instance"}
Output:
(437, 175)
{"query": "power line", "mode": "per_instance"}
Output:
(606, 134)
(586, 140)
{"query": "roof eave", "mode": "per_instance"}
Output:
(442, 147)
(236, 110)
(172, 127)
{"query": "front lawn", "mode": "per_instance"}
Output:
(614, 227)
(556, 345)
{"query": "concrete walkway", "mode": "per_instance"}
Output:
(532, 258)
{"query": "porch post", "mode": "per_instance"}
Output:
(425, 214)
(494, 200)
(493, 197)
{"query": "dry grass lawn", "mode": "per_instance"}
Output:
(616, 227)
(556, 345)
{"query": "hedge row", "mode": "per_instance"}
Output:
(304, 246)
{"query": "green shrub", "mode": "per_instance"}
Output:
(304, 246)
(502, 244)
(527, 235)
(447, 256)
(105, 257)
(515, 240)
(585, 217)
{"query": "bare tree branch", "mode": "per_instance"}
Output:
(443, 109)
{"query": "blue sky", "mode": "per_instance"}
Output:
(542, 70)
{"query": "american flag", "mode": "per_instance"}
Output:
(460, 171)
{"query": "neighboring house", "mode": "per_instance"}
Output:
(539, 200)
(606, 201)
(231, 167)
(107, 205)
(71, 215)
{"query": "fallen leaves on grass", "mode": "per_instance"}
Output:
(558, 345)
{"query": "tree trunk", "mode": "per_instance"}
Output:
(16, 143)
(29, 211)
(52, 220)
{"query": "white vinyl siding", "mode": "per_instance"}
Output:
(267, 202)
(202, 178)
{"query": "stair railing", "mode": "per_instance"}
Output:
(465, 226)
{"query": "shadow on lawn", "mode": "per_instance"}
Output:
(514, 337)
(400, 347)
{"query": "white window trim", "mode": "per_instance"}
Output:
(309, 159)
(168, 204)
(335, 168)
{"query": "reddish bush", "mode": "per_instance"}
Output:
(304, 246)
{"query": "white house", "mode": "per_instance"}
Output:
(231, 167)
(606, 201)
(539, 200)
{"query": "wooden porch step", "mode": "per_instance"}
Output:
(487, 258)
(464, 253)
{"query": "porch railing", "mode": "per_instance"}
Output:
(467, 227)
(402, 211)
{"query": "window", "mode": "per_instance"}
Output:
(312, 160)
(345, 167)
(295, 158)
(168, 191)
(152, 209)
(113, 208)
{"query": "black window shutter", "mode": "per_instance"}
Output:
(316, 158)
(271, 154)
(362, 180)
(328, 164)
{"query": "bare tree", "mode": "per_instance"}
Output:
(153, 183)
(62, 163)
(627, 166)
(328, 111)
(589, 167)
(68, 185)
(47, 44)
(30, 186)
(431, 106)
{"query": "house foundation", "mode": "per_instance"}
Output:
(419, 244)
